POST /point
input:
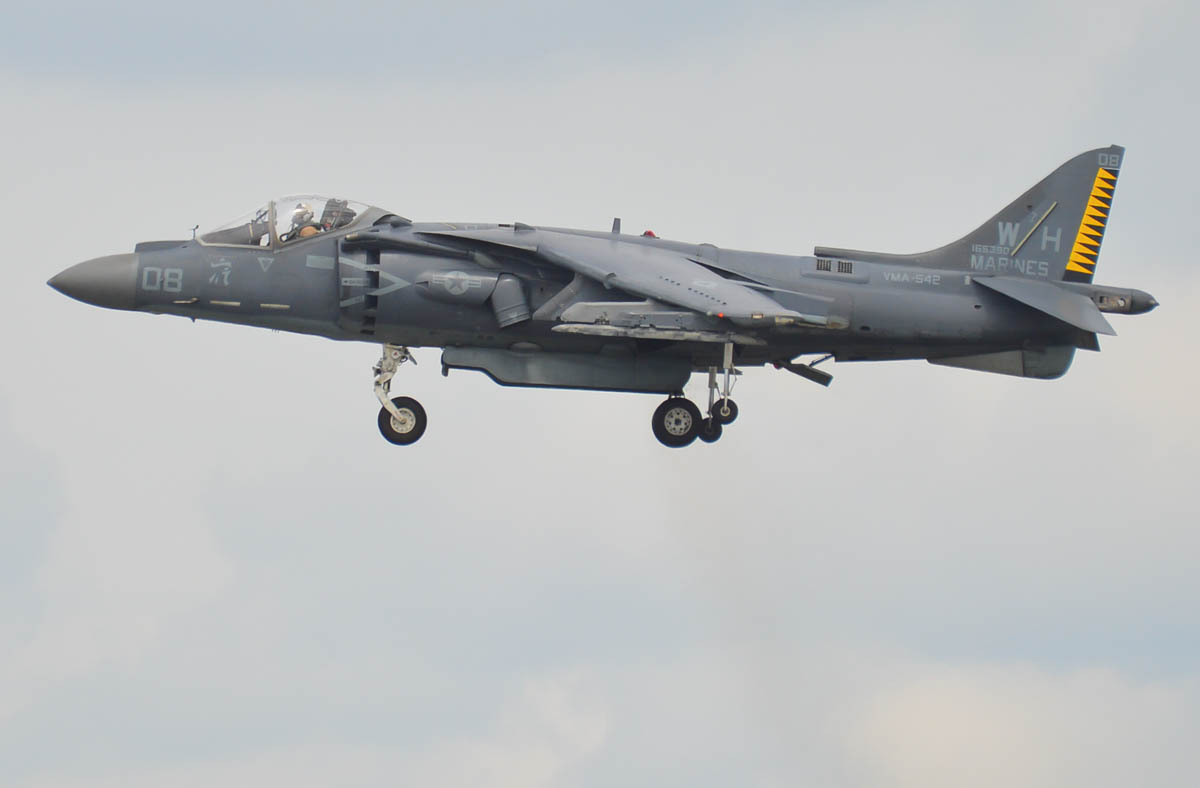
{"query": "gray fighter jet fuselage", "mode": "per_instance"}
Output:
(539, 306)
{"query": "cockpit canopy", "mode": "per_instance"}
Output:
(287, 219)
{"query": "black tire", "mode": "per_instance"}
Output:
(402, 434)
(676, 422)
(720, 406)
(710, 431)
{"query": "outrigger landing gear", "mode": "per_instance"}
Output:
(724, 410)
(677, 422)
(401, 420)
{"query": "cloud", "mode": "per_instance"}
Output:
(221, 573)
(545, 728)
(1017, 725)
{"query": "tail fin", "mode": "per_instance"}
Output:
(1085, 251)
(1052, 232)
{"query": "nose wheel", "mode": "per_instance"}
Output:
(402, 420)
(406, 425)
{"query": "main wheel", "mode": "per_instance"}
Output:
(709, 431)
(676, 422)
(726, 411)
(406, 429)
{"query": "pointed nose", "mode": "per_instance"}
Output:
(104, 281)
(1142, 302)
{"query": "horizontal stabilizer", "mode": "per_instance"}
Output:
(1075, 309)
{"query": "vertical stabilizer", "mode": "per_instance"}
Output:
(1051, 232)
(1085, 251)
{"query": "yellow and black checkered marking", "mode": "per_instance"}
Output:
(1081, 265)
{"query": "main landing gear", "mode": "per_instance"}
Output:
(402, 420)
(677, 422)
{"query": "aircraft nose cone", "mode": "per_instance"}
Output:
(103, 281)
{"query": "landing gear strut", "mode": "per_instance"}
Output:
(677, 422)
(724, 410)
(401, 420)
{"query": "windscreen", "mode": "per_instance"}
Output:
(253, 229)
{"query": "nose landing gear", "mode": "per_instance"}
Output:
(408, 423)
(401, 420)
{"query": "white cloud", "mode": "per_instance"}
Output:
(1009, 725)
(235, 579)
(547, 727)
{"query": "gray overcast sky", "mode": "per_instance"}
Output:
(213, 570)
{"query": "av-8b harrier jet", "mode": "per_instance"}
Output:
(580, 309)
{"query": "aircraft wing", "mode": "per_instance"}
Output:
(656, 273)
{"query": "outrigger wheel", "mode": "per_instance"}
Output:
(676, 422)
(710, 430)
(407, 426)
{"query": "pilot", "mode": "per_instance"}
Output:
(303, 225)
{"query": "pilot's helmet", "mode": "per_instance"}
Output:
(302, 215)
